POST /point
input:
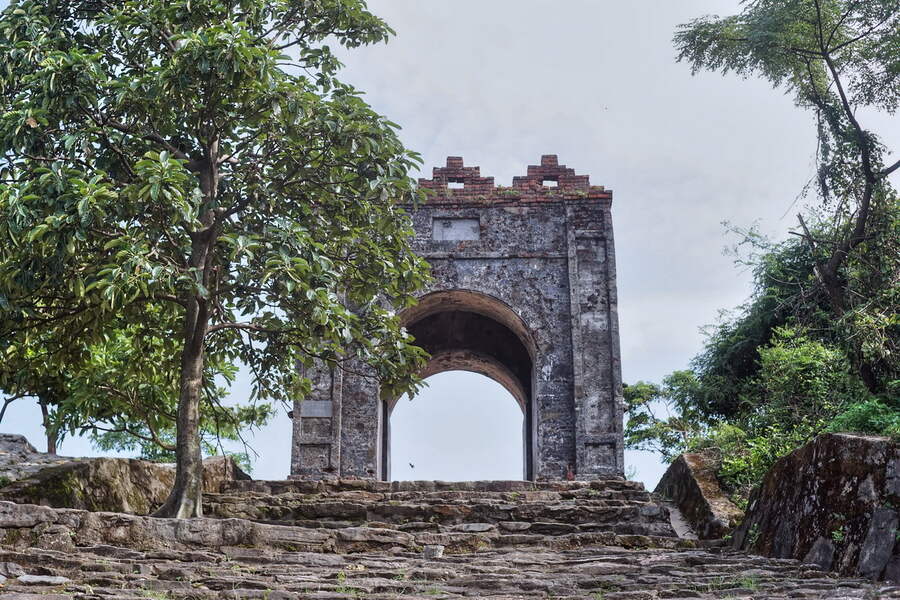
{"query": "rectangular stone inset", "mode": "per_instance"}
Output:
(315, 408)
(315, 456)
(316, 427)
(447, 229)
(600, 458)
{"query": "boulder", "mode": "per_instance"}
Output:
(19, 459)
(835, 503)
(16, 445)
(219, 471)
(690, 483)
(123, 485)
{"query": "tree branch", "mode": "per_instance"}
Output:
(10, 400)
(150, 137)
(888, 170)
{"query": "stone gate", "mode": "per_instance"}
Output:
(524, 292)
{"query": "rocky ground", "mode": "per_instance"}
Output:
(592, 571)
(278, 540)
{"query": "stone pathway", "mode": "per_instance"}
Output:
(502, 540)
(591, 572)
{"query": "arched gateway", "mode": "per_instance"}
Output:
(524, 292)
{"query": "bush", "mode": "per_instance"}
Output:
(873, 416)
(803, 382)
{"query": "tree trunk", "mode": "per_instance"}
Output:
(186, 498)
(50, 431)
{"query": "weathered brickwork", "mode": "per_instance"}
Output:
(524, 292)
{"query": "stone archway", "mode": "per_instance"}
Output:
(534, 263)
(465, 330)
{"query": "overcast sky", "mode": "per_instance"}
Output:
(501, 82)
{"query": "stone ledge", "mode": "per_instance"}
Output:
(25, 525)
(690, 483)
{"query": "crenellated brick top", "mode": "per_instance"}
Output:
(549, 181)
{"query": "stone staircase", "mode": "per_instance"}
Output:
(461, 516)
(601, 540)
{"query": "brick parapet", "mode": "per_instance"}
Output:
(530, 188)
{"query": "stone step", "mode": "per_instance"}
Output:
(589, 572)
(368, 485)
(513, 510)
(586, 496)
(57, 528)
(438, 498)
(52, 554)
(286, 509)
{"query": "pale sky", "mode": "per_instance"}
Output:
(501, 82)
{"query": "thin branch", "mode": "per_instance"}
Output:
(10, 400)
(150, 137)
(125, 429)
(840, 22)
(866, 33)
(888, 170)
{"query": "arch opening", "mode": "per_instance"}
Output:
(469, 331)
(463, 426)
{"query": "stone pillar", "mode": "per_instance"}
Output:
(595, 340)
(362, 426)
(316, 452)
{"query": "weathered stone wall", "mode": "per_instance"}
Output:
(835, 503)
(538, 261)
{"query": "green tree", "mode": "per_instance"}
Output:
(838, 58)
(29, 372)
(786, 295)
(817, 346)
(666, 418)
(122, 390)
(801, 388)
(200, 161)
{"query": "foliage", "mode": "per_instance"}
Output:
(123, 391)
(199, 160)
(663, 418)
(799, 387)
(873, 416)
(774, 375)
(784, 289)
(837, 58)
(125, 395)
(803, 381)
(29, 372)
(817, 346)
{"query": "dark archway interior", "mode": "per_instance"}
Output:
(463, 331)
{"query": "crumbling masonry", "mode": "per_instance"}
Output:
(524, 292)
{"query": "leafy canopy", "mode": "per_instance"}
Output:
(198, 165)
(840, 59)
